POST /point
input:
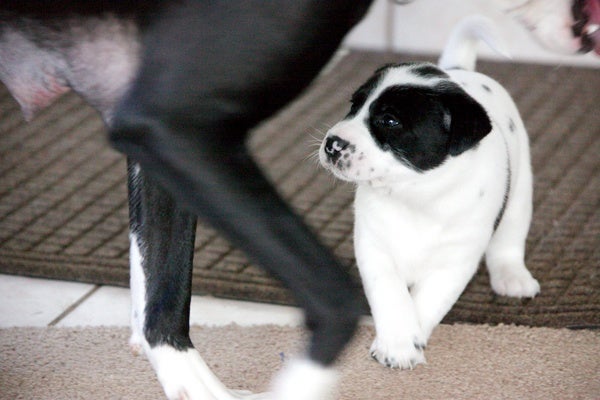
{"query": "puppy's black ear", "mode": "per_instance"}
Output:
(466, 121)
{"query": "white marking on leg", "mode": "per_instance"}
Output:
(137, 169)
(138, 296)
(185, 375)
(304, 379)
(182, 374)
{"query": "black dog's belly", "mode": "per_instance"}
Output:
(47, 48)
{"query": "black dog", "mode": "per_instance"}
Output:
(179, 85)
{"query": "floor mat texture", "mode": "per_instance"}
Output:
(63, 201)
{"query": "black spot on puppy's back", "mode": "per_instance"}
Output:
(428, 71)
(511, 125)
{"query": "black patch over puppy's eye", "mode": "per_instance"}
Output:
(433, 123)
(409, 122)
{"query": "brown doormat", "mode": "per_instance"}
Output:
(63, 205)
(463, 362)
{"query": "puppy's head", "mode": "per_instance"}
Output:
(406, 119)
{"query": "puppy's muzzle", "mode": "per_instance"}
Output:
(334, 145)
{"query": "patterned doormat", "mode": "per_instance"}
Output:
(63, 204)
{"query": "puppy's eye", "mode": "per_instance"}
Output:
(387, 121)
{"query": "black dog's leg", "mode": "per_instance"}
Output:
(211, 71)
(161, 255)
(223, 185)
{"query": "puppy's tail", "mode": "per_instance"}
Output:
(461, 48)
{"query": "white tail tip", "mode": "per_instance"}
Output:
(461, 48)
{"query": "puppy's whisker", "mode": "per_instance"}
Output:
(317, 135)
(314, 143)
(323, 129)
(313, 158)
(325, 126)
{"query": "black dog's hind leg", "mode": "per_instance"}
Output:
(161, 255)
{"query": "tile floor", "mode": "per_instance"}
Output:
(38, 302)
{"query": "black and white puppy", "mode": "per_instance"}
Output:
(441, 161)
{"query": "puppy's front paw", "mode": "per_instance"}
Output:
(514, 282)
(403, 354)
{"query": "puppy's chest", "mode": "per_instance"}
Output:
(404, 231)
(412, 233)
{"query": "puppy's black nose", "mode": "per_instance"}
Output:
(334, 146)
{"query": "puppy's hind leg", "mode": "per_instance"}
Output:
(505, 254)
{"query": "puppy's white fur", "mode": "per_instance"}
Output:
(419, 235)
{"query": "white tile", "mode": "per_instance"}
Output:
(36, 302)
(108, 306)
(207, 310)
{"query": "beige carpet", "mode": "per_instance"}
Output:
(464, 362)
